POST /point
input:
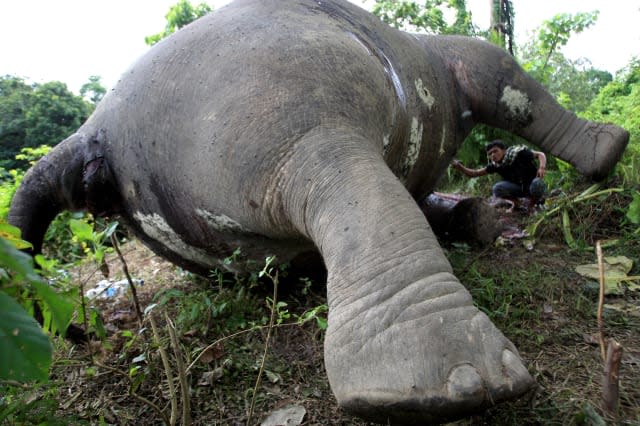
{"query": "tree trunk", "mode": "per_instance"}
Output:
(501, 22)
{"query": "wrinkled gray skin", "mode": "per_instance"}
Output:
(286, 125)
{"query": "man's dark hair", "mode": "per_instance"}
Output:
(495, 143)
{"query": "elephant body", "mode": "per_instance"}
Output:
(289, 126)
(226, 124)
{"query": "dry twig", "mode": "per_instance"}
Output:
(182, 374)
(613, 356)
(266, 346)
(125, 269)
(167, 370)
(610, 391)
(85, 320)
(600, 299)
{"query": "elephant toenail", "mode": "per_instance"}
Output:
(465, 383)
(514, 369)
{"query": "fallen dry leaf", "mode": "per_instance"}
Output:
(291, 415)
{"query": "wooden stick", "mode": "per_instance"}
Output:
(600, 299)
(610, 379)
(125, 269)
(182, 375)
(272, 322)
(167, 369)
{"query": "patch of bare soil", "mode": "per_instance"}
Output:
(548, 311)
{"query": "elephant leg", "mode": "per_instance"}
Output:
(405, 342)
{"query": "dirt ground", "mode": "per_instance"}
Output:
(546, 309)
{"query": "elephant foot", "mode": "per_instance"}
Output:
(428, 363)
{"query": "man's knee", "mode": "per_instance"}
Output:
(537, 188)
(504, 189)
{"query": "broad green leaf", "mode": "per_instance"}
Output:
(81, 229)
(25, 351)
(616, 269)
(60, 308)
(322, 323)
(633, 214)
(12, 234)
(47, 265)
(96, 322)
(17, 262)
(22, 265)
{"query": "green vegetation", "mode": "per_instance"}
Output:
(428, 17)
(238, 343)
(531, 291)
(179, 15)
(37, 114)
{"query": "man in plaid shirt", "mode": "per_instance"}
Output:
(521, 177)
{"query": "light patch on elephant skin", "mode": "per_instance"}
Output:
(424, 94)
(443, 140)
(220, 222)
(158, 229)
(360, 42)
(385, 144)
(517, 102)
(130, 190)
(395, 79)
(413, 150)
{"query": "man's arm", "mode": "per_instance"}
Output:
(542, 161)
(467, 171)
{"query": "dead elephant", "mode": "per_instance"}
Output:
(286, 126)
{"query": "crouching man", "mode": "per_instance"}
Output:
(521, 176)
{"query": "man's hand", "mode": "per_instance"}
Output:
(542, 160)
(456, 164)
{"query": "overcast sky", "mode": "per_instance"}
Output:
(70, 40)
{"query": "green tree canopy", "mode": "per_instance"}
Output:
(34, 115)
(619, 102)
(93, 90)
(179, 15)
(573, 83)
(55, 114)
(552, 35)
(15, 101)
(427, 16)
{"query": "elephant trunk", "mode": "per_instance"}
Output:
(593, 148)
(62, 180)
(519, 104)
